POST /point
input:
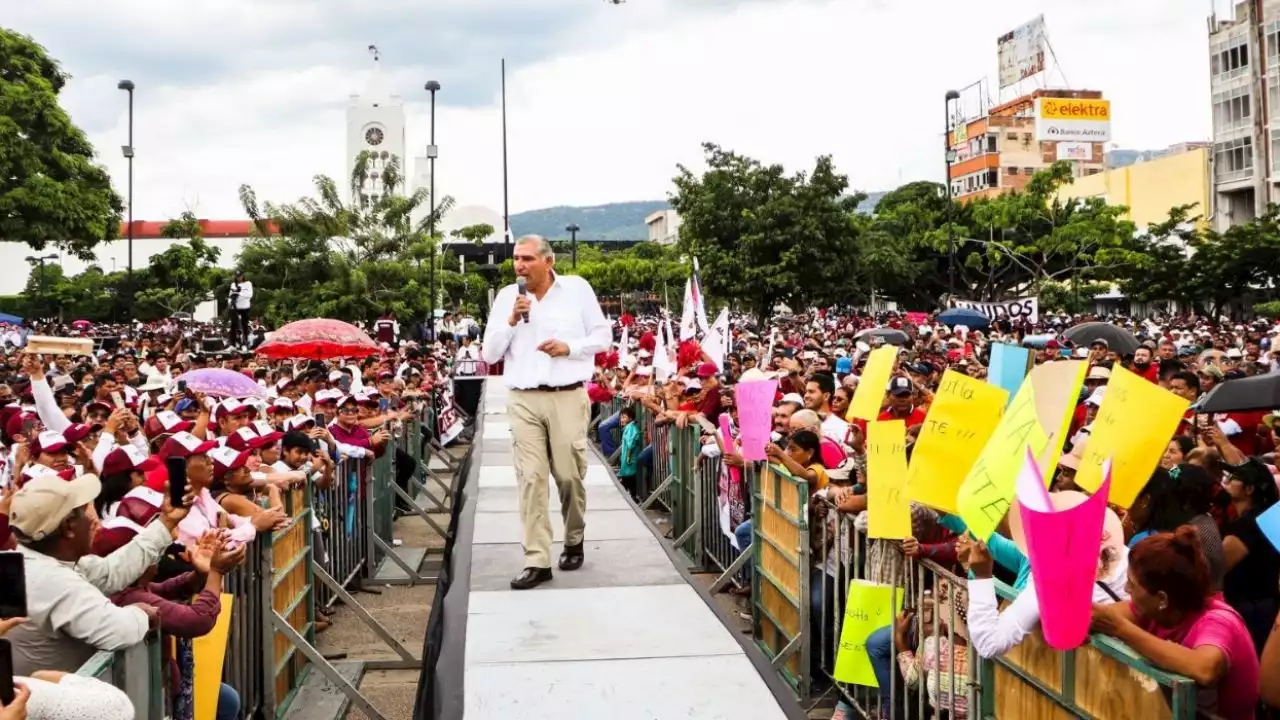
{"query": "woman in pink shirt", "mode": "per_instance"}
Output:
(1178, 624)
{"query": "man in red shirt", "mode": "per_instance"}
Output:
(900, 405)
(1143, 366)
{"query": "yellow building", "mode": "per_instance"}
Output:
(1151, 188)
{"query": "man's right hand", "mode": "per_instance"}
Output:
(522, 306)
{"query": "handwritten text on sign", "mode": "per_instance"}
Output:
(1132, 429)
(888, 510)
(868, 608)
(985, 495)
(964, 414)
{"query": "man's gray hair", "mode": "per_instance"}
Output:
(544, 247)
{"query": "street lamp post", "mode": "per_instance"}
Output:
(39, 262)
(128, 86)
(432, 153)
(573, 229)
(951, 230)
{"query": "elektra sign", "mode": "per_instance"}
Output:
(1071, 120)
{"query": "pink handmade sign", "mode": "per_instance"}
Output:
(1064, 539)
(726, 437)
(755, 416)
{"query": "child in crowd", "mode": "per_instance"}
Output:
(631, 446)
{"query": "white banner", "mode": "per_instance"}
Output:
(1075, 151)
(1027, 308)
(1021, 52)
(448, 425)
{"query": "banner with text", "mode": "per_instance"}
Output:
(1027, 308)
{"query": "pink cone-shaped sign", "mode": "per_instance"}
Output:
(755, 416)
(1063, 545)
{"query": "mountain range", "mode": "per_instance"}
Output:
(612, 221)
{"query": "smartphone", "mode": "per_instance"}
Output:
(383, 404)
(344, 382)
(182, 387)
(321, 420)
(118, 399)
(177, 468)
(7, 692)
(13, 586)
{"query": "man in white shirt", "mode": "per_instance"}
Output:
(548, 338)
(241, 296)
(464, 363)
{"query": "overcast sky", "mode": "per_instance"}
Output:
(603, 100)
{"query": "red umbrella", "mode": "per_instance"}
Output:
(318, 339)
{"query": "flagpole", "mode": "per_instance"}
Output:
(506, 207)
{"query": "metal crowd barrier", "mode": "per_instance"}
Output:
(799, 595)
(137, 671)
(271, 643)
(342, 551)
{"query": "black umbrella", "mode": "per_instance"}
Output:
(889, 335)
(1261, 392)
(1117, 338)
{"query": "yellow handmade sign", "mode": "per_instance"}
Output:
(1039, 417)
(868, 608)
(1133, 428)
(963, 416)
(888, 510)
(868, 397)
(210, 652)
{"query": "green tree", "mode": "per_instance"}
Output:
(474, 233)
(181, 277)
(1005, 246)
(323, 257)
(765, 237)
(51, 190)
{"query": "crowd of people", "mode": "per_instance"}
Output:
(1186, 576)
(107, 554)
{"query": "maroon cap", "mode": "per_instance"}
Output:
(185, 445)
(128, 458)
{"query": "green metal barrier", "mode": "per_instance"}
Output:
(1104, 679)
(136, 670)
(780, 604)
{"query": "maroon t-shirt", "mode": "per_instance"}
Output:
(711, 407)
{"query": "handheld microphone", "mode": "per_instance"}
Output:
(522, 286)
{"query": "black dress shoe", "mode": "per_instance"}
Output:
(572, 557)
(530, 577)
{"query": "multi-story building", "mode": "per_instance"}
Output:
(1150, 188)
(1244, 79)
(999, 152)
(664, 226)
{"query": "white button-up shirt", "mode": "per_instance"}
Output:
(568, 312)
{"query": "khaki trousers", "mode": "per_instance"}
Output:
(549, 437)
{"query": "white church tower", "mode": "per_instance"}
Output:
(376, 122)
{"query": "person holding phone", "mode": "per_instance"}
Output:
(69, 614)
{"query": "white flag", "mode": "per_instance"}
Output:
(716, 344)
(688, 315)
(662, 365)
(624, 350)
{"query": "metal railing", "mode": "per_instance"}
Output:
(803, 557)
(333, 541)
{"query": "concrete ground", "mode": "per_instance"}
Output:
(403, 610)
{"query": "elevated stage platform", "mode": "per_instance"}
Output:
(627, 637)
